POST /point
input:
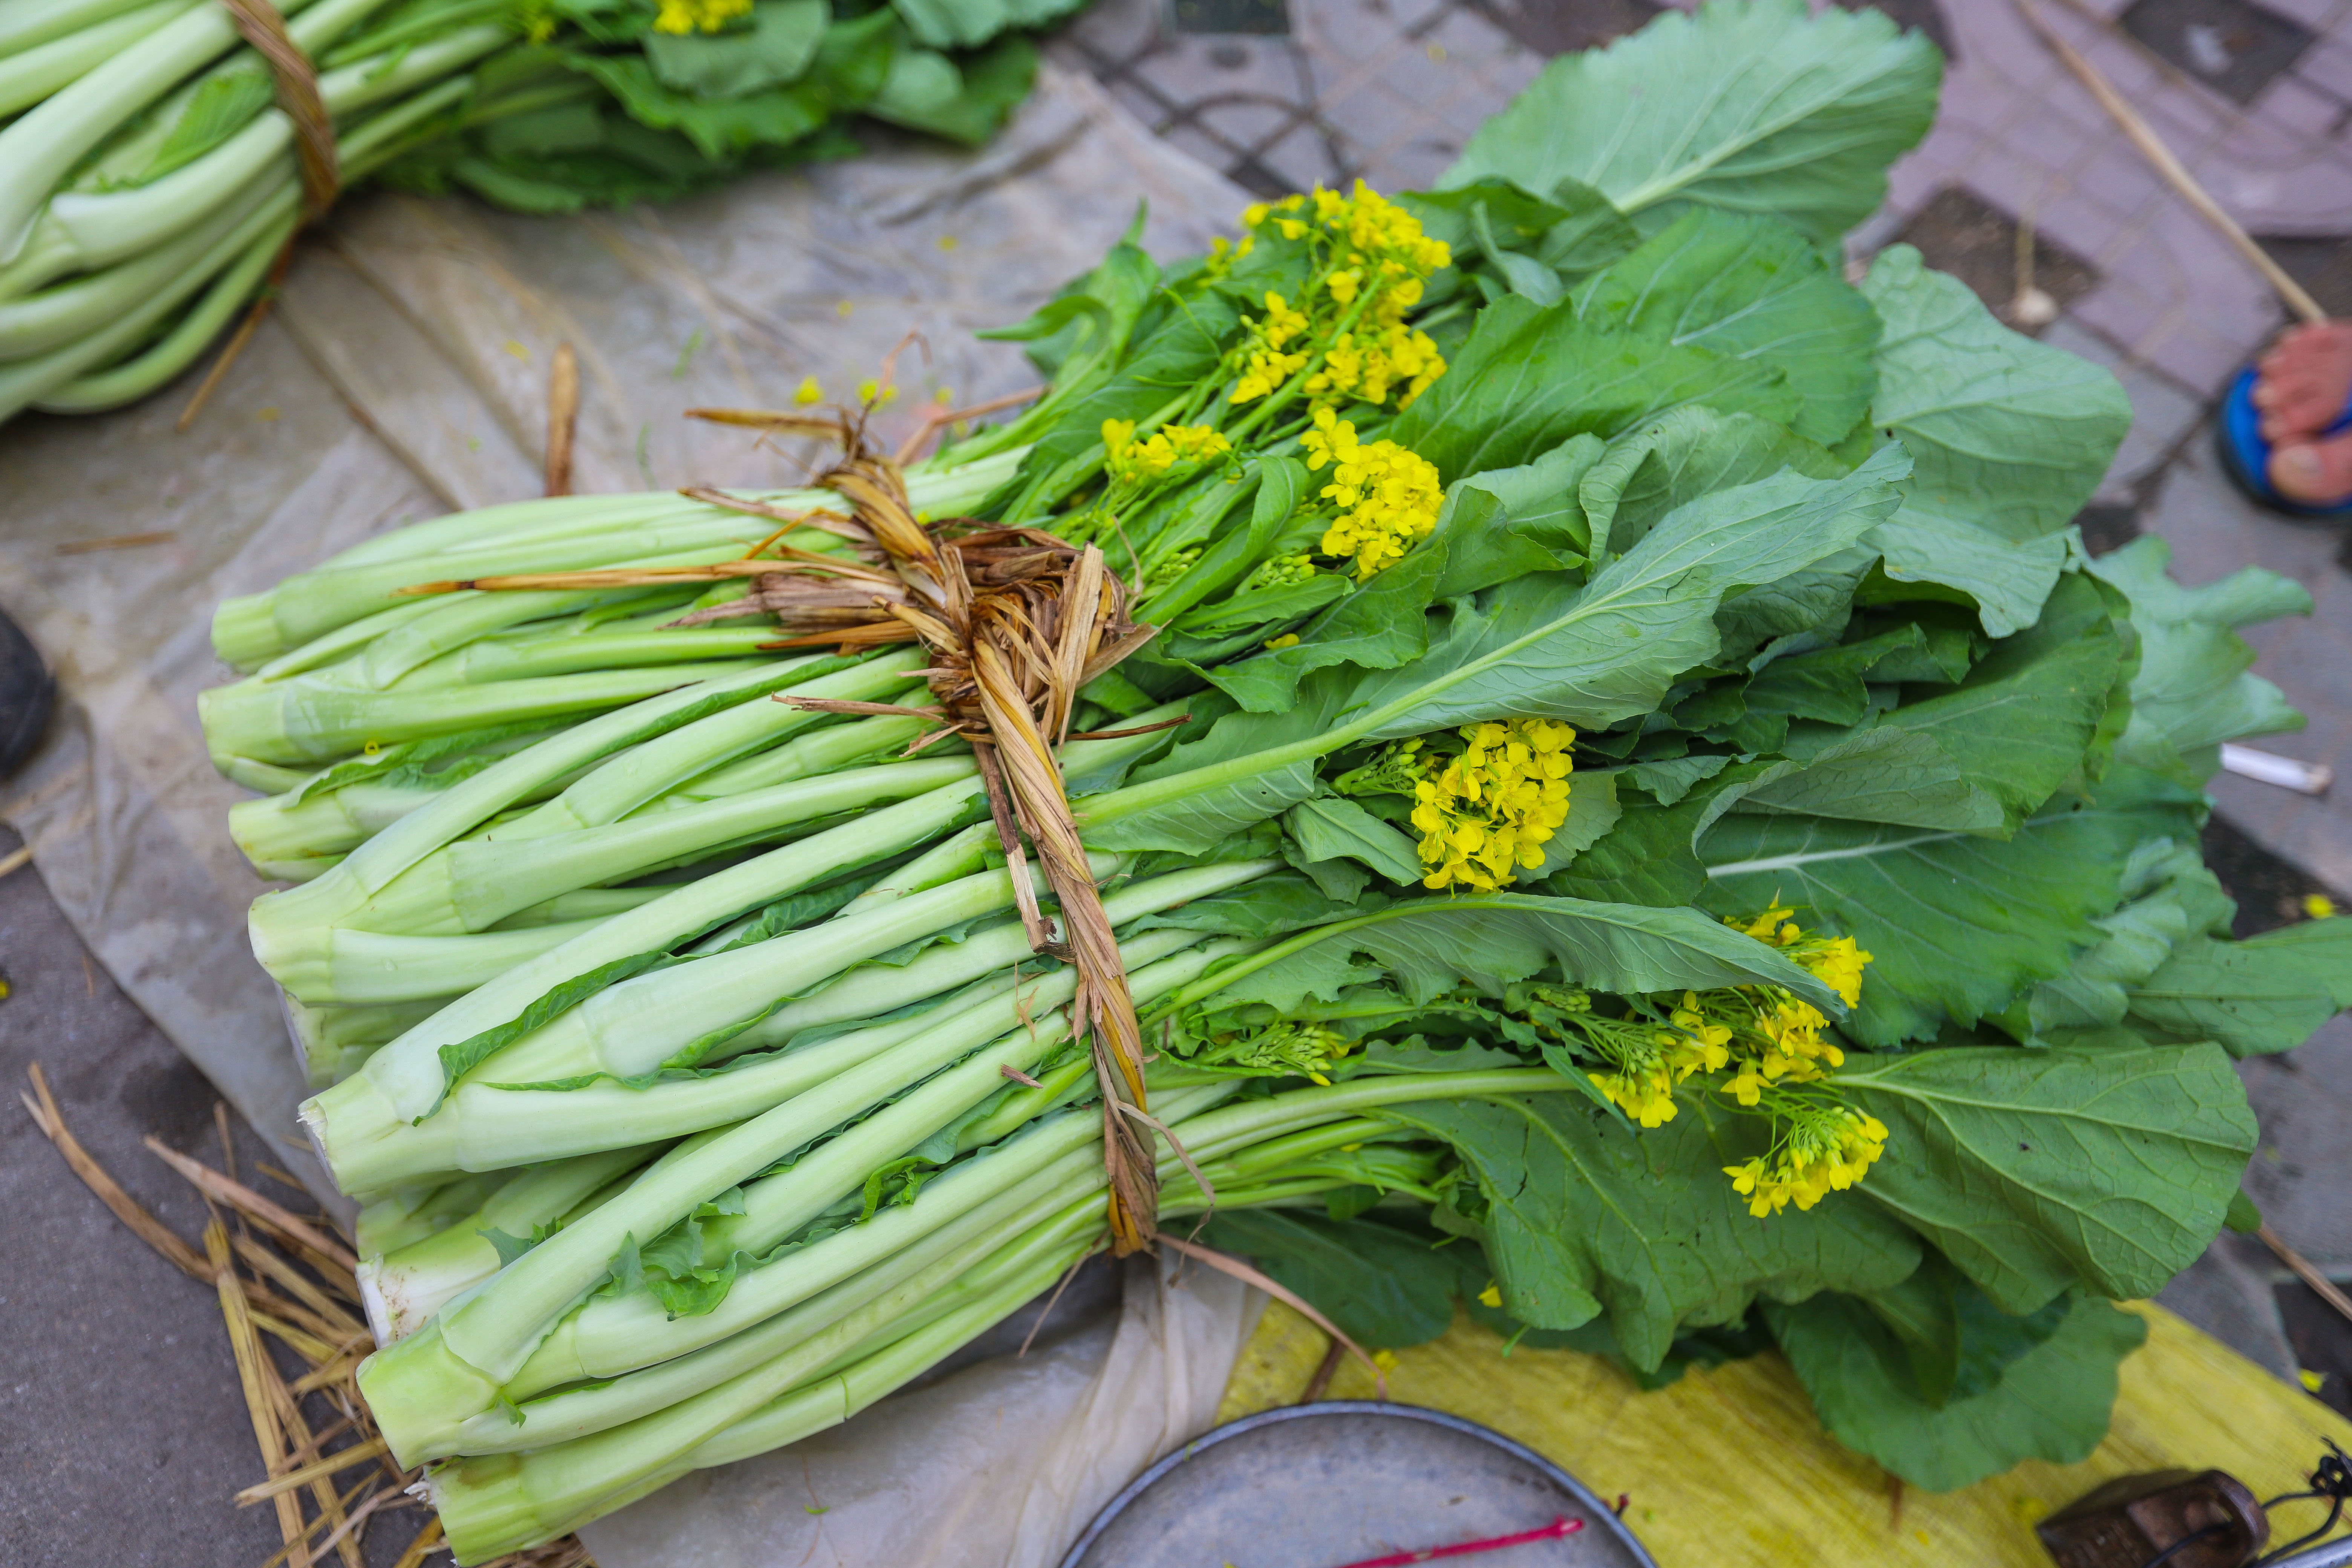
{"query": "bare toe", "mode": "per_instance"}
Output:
(2302, 384)
(2316, 473)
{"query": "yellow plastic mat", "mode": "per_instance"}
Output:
(1730, 1468)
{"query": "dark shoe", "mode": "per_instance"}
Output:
(27, 692)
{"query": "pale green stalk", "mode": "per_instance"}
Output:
(400, 1218)
(485, 1125)
(31, 72)
(478, 882)
(308, 719)
(25, 23)
(400, 1289)
(486, 1504)
(275, 919)
(405, 1079)
(565, 534)
(84, 229)
(644, 1023)
(421, 1388)
(914, 1289)
(26, 382)
(43, 143)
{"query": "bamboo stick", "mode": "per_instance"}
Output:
(2153, 149)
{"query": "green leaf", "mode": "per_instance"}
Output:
(1980, 758)
(1593, 814)
(1530, 377)
(2267, 994)
(1576, 232)
(1612, 650)
(2194, 689)
(1487, 940)
(962, 24)
(777, 47)
(1270, 906)
(1583, 1217)
(2010, 436)
(1649, 471)
(1535, 522)
(1382, 1285)
(1748, 286)
(2037, 1170)
(220, 107)
(2171, 899)
(1958, 1342)
(2053, 1403)
(2243, 1217)
(1959, 923)
(1752, 107)
(1330, 828)
(926, 91)
(461, 1057)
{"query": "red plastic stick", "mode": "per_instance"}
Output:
(1558, 1530)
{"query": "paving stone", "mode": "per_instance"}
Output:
(2230, 1293)
(2321, 265)
(1959, 232)
(2296, 106)
(2233, 46)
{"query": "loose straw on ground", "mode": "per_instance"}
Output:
(562, 417)
(2152, 147)
(309, 1314)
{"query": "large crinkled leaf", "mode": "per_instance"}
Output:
(1330, 828)
(1612, 650)
(2010, 437)
(961, 24)
(2269, 993)
(1584, 1217)
(1980, 758)
(2053, 1403)
(1531, 377)
(1959, 923)
(2194, 689)
(2035, 1172)
(781, 43)
(1955, 1341)
(2171, 897)
(1748, 286)
(1679, 457)
(1434, 945)
(1751, 106)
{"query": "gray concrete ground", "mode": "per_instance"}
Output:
(121, 1434)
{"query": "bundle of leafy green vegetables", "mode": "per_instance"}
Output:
(148, 181)
(1640, 822)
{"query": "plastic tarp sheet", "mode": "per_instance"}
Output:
(403, 374)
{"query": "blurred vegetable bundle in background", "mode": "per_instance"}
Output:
(158, 162)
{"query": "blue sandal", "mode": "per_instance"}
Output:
(2246, 456)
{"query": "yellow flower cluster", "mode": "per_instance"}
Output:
(699, 16)
(1374, 257)
(1787, 1029)
(1487, 810)
(1131, 462)
(1825, 1149)
(1388, 497)
(1643, 1088)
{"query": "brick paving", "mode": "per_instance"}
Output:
(2255, 100)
